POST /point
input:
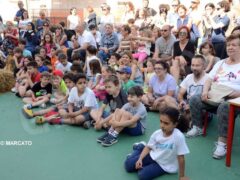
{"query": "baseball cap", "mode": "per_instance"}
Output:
(125, 69)
(58, 73)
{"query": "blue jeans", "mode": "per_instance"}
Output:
(103, 56)
(150, 168)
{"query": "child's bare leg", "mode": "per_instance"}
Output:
(22, 89)
(78, 120)
(27, 100)
(41, 101)
(63, 113)
(43, 111)
(95, 115)
(126, 116)
(116, 116)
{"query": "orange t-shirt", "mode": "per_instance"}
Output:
(54, 62)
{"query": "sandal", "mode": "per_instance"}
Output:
(39, 120)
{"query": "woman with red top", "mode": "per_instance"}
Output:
(10, 36)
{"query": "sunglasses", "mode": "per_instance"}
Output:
(193, 2)
(182, 33)
(46, 25)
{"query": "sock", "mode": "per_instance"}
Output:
(221, 143)
(110, 130)
(114, 134)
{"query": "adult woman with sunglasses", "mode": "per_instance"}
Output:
(160, 85)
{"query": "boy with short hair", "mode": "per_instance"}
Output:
(115, 98)
(21, 45)
(63, 64)
(125, 74)
(40, 93)
(32, 76)
(80, 101)
(40, 62)
(131, 118)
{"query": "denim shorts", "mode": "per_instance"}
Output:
(136, 131)
(86, 115)
(105, 114)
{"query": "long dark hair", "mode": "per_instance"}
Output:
(95, 66)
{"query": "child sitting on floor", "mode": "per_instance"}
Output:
(115, 98)
(99, 89)
(164, 153)
(125, 74)
(131, 119)
(80, 101)
(26, 80)
(40, 93)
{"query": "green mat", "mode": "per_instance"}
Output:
(62, 152)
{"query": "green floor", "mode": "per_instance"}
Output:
(69, 153)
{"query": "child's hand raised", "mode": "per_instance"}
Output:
(138, 164)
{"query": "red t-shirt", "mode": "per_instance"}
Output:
(13, 32)
(36, 77)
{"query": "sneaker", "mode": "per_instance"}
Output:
(195, 131)
(109, 140)
(27, 112)
(102, 138)
(39, 120)
(86, 124)
(137, 144)
(43, 105)
(53, 100)
(14, 90)
(220, 151)
(27, 106)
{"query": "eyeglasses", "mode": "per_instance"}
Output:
(182, 33)
(194, 2)
(163, 30)
(174, 5)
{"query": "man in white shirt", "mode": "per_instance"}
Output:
(191, 85)
(84, 38)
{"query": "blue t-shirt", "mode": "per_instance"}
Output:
(42, 69)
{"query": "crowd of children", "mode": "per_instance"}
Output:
(108, 80)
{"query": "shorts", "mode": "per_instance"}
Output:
(105, 114)
(136, 131)
(86, 115)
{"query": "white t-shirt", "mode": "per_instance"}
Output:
(63, 68)
(87, 37)
(164, 150)
(192, 87)
(87, 99)
(225, 74)
(73, 21)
